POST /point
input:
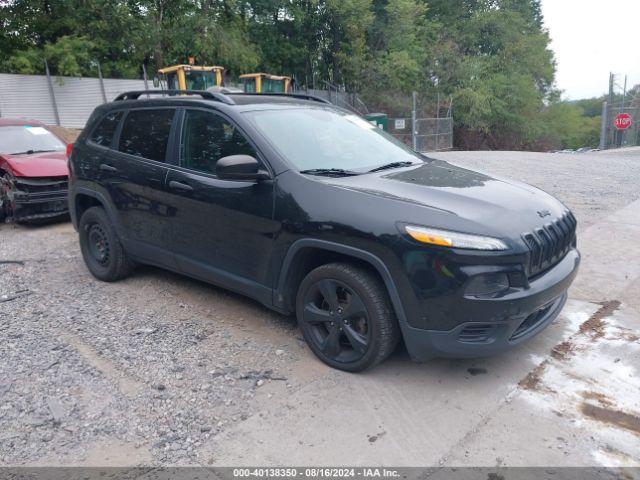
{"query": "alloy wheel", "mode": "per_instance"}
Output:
(337, 320)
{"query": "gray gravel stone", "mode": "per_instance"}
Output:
(84, 362)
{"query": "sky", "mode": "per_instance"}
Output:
(591, 38)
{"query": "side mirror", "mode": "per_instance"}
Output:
(240, 167)
(156, 81)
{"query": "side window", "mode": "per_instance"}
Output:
(145, 133)
(207, 137)
(106, 129)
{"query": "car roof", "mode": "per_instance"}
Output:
(268, 99)
(19, 122)
(231, 100)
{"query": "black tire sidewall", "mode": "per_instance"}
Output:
(112, 270)
(352, 277)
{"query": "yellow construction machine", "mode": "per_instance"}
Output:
(265, 83)
(191, 77)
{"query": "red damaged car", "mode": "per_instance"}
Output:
(33, 171)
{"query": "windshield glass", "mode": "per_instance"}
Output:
(200, 80)
(321, 138)
(21, 139)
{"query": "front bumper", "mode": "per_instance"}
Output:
(523, 314)
(39, 198)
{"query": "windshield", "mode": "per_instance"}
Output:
(23, 139)
(200, 80)
(321, 138)
(194, 79)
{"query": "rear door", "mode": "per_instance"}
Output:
(223, 230)
(134, 174)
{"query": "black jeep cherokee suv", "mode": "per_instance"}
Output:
(312, 210)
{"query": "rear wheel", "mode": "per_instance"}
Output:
(101, 248)
(346, 317)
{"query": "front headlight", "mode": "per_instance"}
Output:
(445, 238)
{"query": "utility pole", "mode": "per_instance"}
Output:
(414, 127)
(611, 84)
(146, 79)
(624, 98)
(604, 127)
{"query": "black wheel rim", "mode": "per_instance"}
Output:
(337, 321)
(98, 244)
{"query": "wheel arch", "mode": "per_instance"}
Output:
(85, 198)
(306, 254)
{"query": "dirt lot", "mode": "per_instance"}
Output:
(161, 369)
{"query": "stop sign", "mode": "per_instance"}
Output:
(623, 121)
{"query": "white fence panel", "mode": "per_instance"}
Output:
(27, 96)
(76, 98)
(114, 87)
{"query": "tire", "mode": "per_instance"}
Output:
(348, 306)
(101, 248)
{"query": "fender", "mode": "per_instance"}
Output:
(360, 254)
(89, 192)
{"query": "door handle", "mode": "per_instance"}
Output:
(107, 168)
(180, 186)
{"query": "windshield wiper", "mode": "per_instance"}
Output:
(31, 152)
(329, 171)
(391, 165)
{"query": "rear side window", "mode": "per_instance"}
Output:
(145, 133)
(106, 129)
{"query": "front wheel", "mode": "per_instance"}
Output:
(346, 317)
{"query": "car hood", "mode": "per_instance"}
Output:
(498, 204)
(46, 164)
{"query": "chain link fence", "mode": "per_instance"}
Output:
(621, 102)
(612, 137)
(429, 126)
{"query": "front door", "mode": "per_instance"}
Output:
(223, 230)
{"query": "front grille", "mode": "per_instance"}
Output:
(476, 333)
(549, 244)
(42, 185)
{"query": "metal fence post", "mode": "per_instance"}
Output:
(603, 127)
(146, 81)
(100, 79)
(414, 126)
(53, 97)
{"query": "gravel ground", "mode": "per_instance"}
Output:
(148, 362)
(152, 367)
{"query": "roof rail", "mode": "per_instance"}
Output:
(302, 96)
(135, 94)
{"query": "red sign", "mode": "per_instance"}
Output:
(623, 121)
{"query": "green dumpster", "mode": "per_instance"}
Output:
(380, 120)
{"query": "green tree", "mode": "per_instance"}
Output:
(497, 66)
(399, 36)
(567, 126)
